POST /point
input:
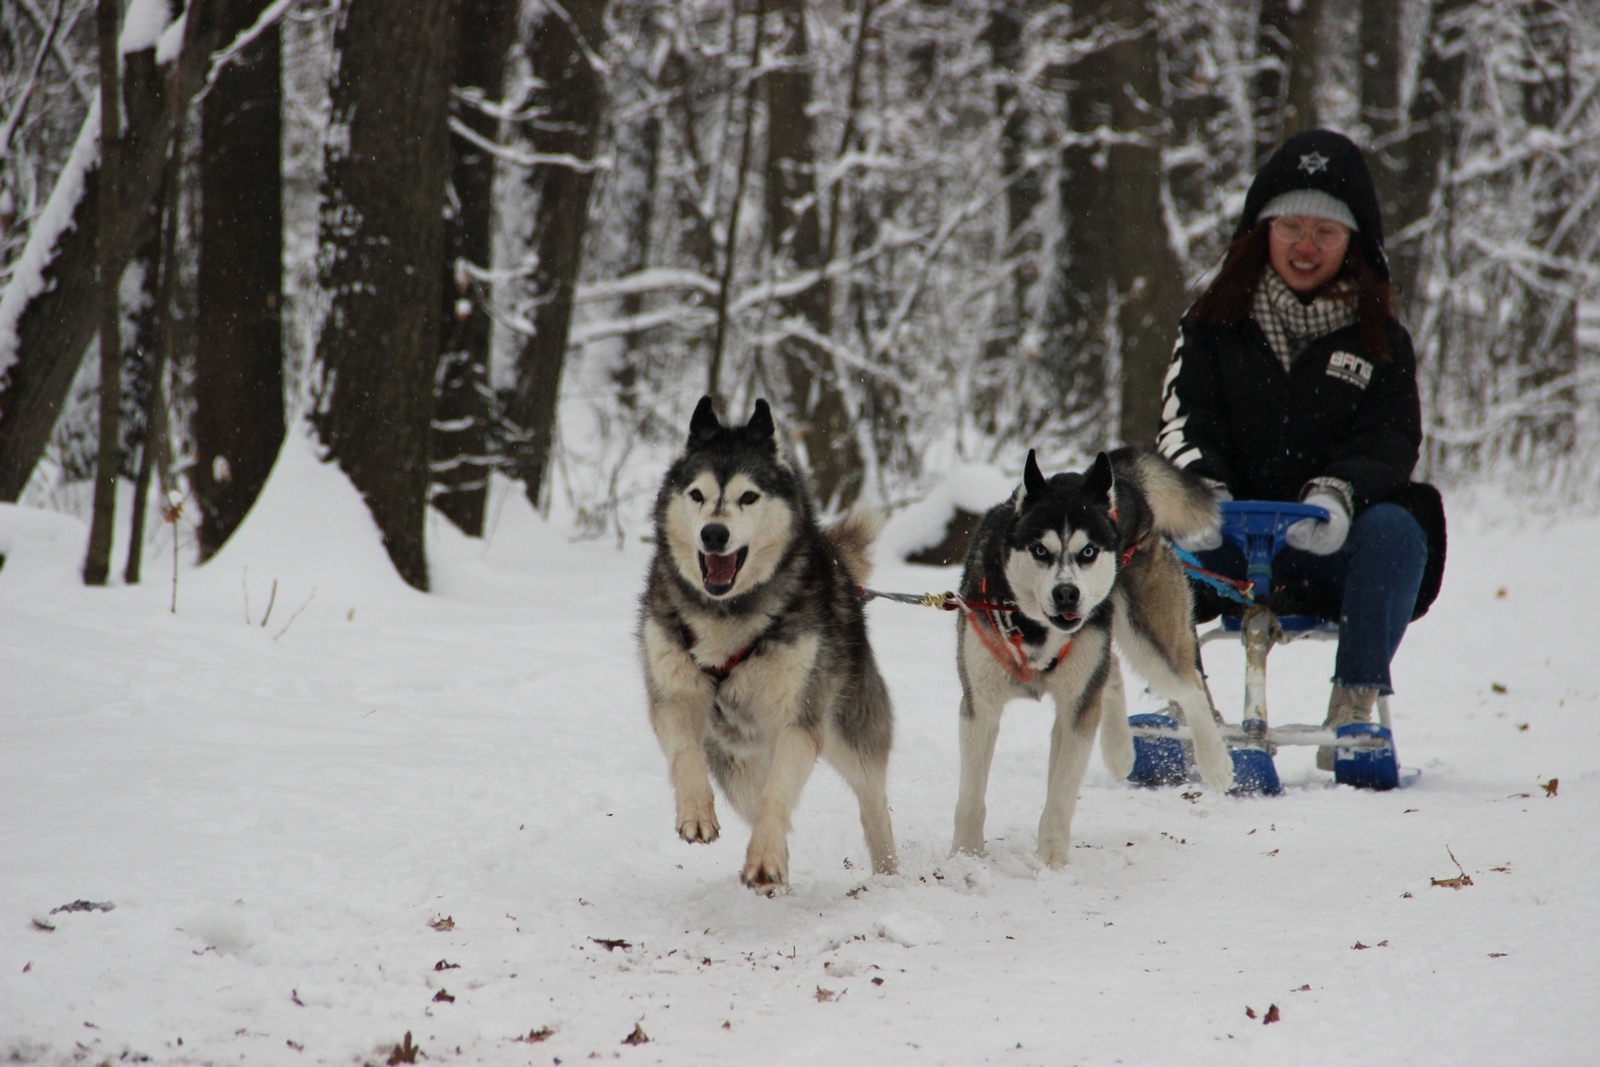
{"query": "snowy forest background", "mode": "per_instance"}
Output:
(463, 236)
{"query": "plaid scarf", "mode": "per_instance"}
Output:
(1291, 324)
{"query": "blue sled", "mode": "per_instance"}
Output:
(1157, 760)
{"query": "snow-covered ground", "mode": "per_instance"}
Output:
(376, 812)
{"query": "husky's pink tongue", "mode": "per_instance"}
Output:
(721, 570)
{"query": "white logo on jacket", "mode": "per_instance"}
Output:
(1349, 367)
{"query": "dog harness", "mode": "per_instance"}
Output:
(719, 674)
(991, 624)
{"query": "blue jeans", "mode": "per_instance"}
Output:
(1374, 578)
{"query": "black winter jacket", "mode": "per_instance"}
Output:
(1231, 412)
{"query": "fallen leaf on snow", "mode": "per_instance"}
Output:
(446, 965)
(825, 995)
(1497, 955)
(446, 923)
(611, 944)
(1249, 1012)
(443, 997)
(1499, 688)
(1550, 787)
(638, 1037)
(1272, 1016)
(544, 1033)
(405, 1052)
(106, 905)
(40, 924)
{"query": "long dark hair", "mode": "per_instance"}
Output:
(1228, 299)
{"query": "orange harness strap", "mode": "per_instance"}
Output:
(1007, 649)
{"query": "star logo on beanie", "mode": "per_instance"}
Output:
(1312, 162)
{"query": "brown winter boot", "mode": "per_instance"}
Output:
(1345, 706)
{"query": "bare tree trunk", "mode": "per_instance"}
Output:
(97, 565)
(1432, 125)
(1380, 100)
(1024, 190)
(816, 402)
(1075, 351)
(1285, 87)
(382, 237)
(640, 147)
(1120, 286)
(1148, 276)
(238, 366)
(1549, 333)
(570, 95)
(52, 330)
(461, 415)
(146, 358)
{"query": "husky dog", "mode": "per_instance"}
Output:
(1051, 574)
(755, 645)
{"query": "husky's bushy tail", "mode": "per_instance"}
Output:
(1181, 505)
(852, 537)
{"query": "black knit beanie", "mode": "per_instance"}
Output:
(1331, 163)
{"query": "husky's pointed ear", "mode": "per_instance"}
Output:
(704, 425)
(1100, 479)
(1032, 480)
(761, 419)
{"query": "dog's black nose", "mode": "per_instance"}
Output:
(714, 536)
(1065, 597)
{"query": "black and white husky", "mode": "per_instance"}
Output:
(1052, 574)
(755, 648)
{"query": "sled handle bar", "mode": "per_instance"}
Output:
(1257, 527)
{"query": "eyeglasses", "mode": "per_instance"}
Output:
(1325, 235)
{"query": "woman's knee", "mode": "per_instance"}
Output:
(1392, 530)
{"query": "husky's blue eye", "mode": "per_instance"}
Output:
(697, 496)
(1087, 553)
(1040, 553)
(749, 498)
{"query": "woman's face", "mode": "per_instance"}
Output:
(1307, 251)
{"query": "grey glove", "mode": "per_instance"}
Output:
(1316, 536)
(1211, 538)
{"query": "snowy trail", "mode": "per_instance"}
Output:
(279, 819)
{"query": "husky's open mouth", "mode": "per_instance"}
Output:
(719, 572)
(1068, 623)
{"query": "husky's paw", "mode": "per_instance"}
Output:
(1054, 852)
(967, 845)
(766, 869)
(697, 820)
(1216, 766)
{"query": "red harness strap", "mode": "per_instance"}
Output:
(720, 674)
(1007, 649)
(1127, 553)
